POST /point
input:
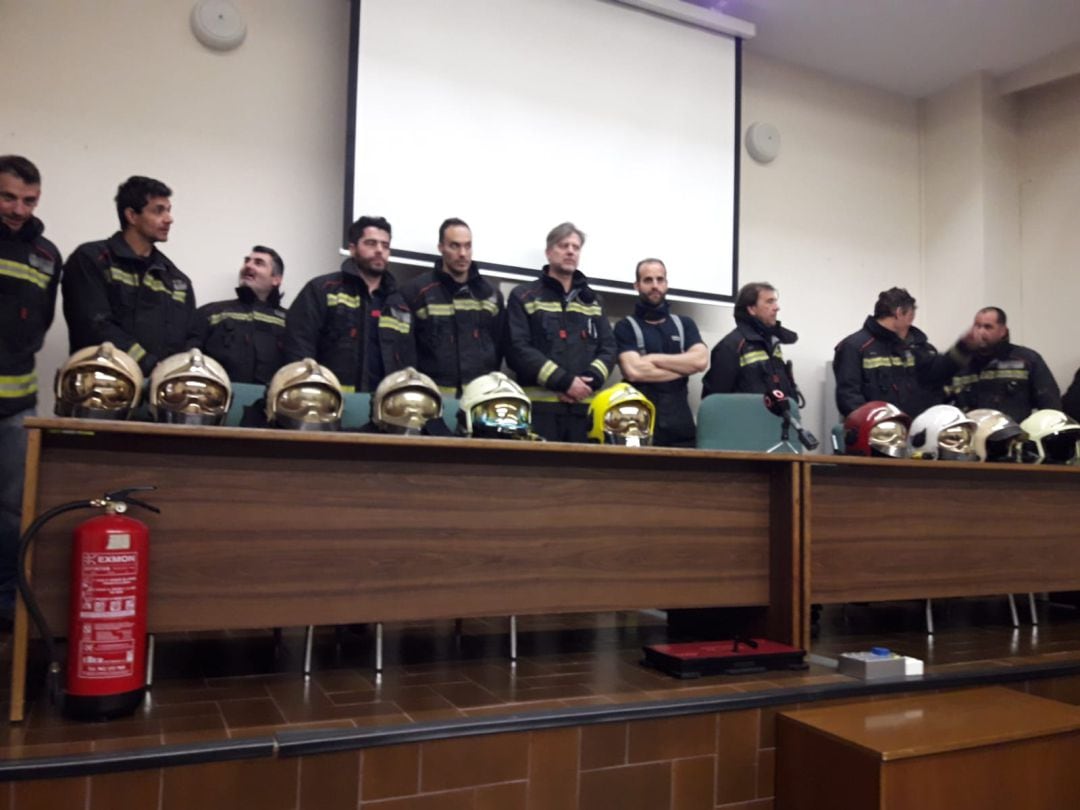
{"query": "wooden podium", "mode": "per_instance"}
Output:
(972, 750)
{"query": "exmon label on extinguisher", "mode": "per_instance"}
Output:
(106, 614)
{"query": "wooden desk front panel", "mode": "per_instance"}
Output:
(909, 530)
(270, 531)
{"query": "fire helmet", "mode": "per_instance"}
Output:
(494, 407)
(942, 433)
(997, 436)
(98, 382)
(1052, 438)
(622, 415)
(877, 428)
(405, 401)
(305, 396)
(190, 388)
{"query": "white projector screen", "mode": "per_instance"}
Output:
(516, 115)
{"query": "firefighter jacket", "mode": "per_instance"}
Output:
(458, 327)
(359, 336)
(554, 336)
(1011, 379)
(1070, 402)
(877, 364)
(750, 360)
(144, 305)
(245, 335)
(29, 277)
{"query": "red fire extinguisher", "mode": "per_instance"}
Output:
(106, 662)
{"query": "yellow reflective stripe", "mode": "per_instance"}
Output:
(273, 320)
(778, 352)
(20, 385)
(24, 272)
(545, 395)
(435, 310)
(387, 322)
(885, 362)
(343, 300)
(753, 357)
(153, 284)
(137, 352)
(123, 277)
(472, 305)
(544, 306)
(1004, 374)
(592, 310)
(546, 370)
(599, 365)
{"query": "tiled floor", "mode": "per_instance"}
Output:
(232, 686)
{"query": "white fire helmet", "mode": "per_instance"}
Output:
(942, 433)
(493, 406)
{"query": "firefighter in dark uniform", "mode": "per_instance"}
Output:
(560, 345)
(124, 290)
(750, 358)
(354, 322)
(1001, 375)
(891, 360)
(247, 335)
(29, 276)
(658, 351)
(458, 315)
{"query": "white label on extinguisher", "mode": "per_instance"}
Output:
(106, 614)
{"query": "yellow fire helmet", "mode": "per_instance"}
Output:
(405, 401)
(494, 407)
(622, 415)
(1052, 438)
(305, 396)
(98, 382)
(190, 388)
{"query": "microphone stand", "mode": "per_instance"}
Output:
(806, 438)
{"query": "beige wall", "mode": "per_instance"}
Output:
(1049, 138)
(251, 142)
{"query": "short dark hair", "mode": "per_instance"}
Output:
(135, 193)
(891, 300)
(998, 311)
(453, 222)
(21, 168)
(356, 230)
(748, 294)
(278, 265)
(637, 270)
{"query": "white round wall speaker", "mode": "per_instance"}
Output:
(218, 24)
(763, 141)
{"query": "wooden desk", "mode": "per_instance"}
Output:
(263, 528)
(973, 750)
(878, 529)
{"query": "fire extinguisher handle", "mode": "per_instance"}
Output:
(124, 495)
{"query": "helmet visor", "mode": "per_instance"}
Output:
(409, 408)
(955, 443)
(1060, 448)
(97, 388)
(507, 417)
(889, 438)
(627, 423)
(309, 403)
(193, 395)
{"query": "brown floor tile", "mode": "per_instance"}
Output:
(466, 695)
(514, 708)
(51, 794)
(330, 781)
(672, 738)
(453, 763)
(250, 712)
(268, 784)
(449, 800)
(133, 790)
(342, 680)
(553, 769)
(632, 787)
(693, 784)
(127, 743)
(390, 771)
(509, 796)
(59, 749)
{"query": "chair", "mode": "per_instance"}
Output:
(243, 394)
(836, 436)
(740, 422)
(357, 411)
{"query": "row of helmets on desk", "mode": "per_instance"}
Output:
(103, 382)
(945, 433)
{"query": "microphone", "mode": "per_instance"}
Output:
(778, 403)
